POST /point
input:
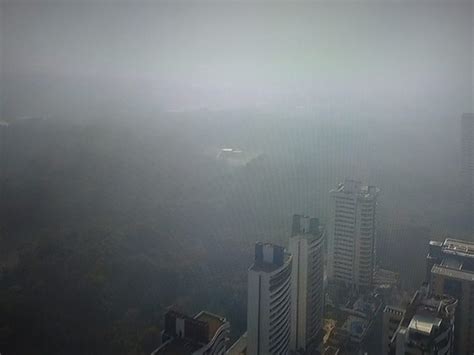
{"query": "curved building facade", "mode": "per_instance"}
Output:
(269, 301)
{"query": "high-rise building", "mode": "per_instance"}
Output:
(204, 334)
(269, 301)
(467, 137)
(450, 267)
(427, 327)
(351, 234)
(307, 289)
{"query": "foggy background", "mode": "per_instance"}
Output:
(118, 111)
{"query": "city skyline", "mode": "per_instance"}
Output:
(236, 177)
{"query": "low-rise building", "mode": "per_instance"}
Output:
(204, 334)
(392, 316)
(427, 327)
(450, 271)
(353, 325)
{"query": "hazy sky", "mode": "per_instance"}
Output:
(126, 56)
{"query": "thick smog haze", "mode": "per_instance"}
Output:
(147, 147)
(131, 57)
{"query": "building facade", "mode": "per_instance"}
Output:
(307, 290)
(351, 234)
(427, 326)
(450, 267)
(269, 301)
(392, 316)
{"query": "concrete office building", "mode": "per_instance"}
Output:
(351, 234)
(307, 290)
(269, 301)
(450, 271)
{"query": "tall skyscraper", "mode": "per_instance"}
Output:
(351, 234)
(451, 272)
(269, 301)
(307, 289)
(427, 326)
(468, 166)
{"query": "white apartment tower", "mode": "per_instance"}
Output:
(307, 290)
(351, 234)
(269, 301)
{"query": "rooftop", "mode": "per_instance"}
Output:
(269, 257)
(357, 327)
(394, 310)
(384, 277)
(269, 267)
(178, 346)
(353, 186)
(452, 263)
(424, 324)
(458, 247)
(426, 319)
(213, 320)
(239, 347)
(427, 311)
(189, 344)
(455, 274)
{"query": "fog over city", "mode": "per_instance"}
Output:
(147, 146)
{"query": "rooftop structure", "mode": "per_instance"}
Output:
(239, 347)
(350, 186)
(357, 321)
(458, 247)
(205, 333)
(454, 258)
(357, 327)
(427, 326)
(269, 257)
(386, 278)
(450, 271)
(361, 315)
